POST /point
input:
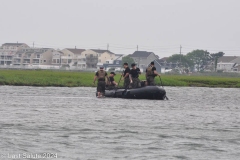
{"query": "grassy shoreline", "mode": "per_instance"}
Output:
(76, 79)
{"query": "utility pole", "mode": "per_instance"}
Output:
(33, 44)
(180, 54)
(139, 62)
(137, 47)
(107, 46)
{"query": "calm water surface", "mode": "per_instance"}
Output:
(196, 123)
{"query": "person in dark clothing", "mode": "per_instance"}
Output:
(101, 76)
(133, 75)
(151, 72)
(112, 84)
(126, 75)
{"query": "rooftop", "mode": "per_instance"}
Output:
(46, 48)
(76, 51)
(164, 59)
(12, 44)
(236, 60)
(101, 51)
(119, 54)
(225, 59)
(141, 54)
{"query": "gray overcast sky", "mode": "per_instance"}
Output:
(155, 25)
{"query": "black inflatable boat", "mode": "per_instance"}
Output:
(147, 92)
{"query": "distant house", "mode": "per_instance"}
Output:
(236, 68)
(162, 65)
(118, 56)
(143, 58)
(104, 55)
(226, 59)
(17, 58)
(228, 63)
(6, 57)
(56, 58)
(91, 58)
(73, 58)
(8, 50)
(33, 56)
(45, 56)
(14, 46)
(116, 63)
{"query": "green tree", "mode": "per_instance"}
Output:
(182, 60)
(200, 58)
(127, 59)
(215, 57)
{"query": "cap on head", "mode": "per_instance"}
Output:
(101, 67)
(152, 63)
(133, 64)
(125, 64)
(113, 73)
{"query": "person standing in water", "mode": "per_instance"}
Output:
(100, 76)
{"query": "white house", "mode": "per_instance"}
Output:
(228, 63)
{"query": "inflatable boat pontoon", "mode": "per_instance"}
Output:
(147, 92)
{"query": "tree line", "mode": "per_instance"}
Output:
(197, 58)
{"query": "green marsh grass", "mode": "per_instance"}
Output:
(76, 79)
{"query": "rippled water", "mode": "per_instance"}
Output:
(196, 123)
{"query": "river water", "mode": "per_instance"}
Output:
(70, 123)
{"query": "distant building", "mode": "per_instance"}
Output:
(226, 59)
(8, 51)
(143, 58)
(116, 63)
(229, 64)
(56, 58)
(162, 65)
(6, 57)
(14, 46)
(102, 57)
(119, 56)
(91, 58)
(33, 57)
(73, 58)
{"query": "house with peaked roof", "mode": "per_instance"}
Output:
(73, 58)
(143, 58)
(14, 46)
(56, 58)
(8, 50)
(226, 59)
(116, 63)
(228, 63)
(104, 55)
(91, 58)
(162, 65)
(33, 57)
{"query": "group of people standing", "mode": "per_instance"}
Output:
(130, 77)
